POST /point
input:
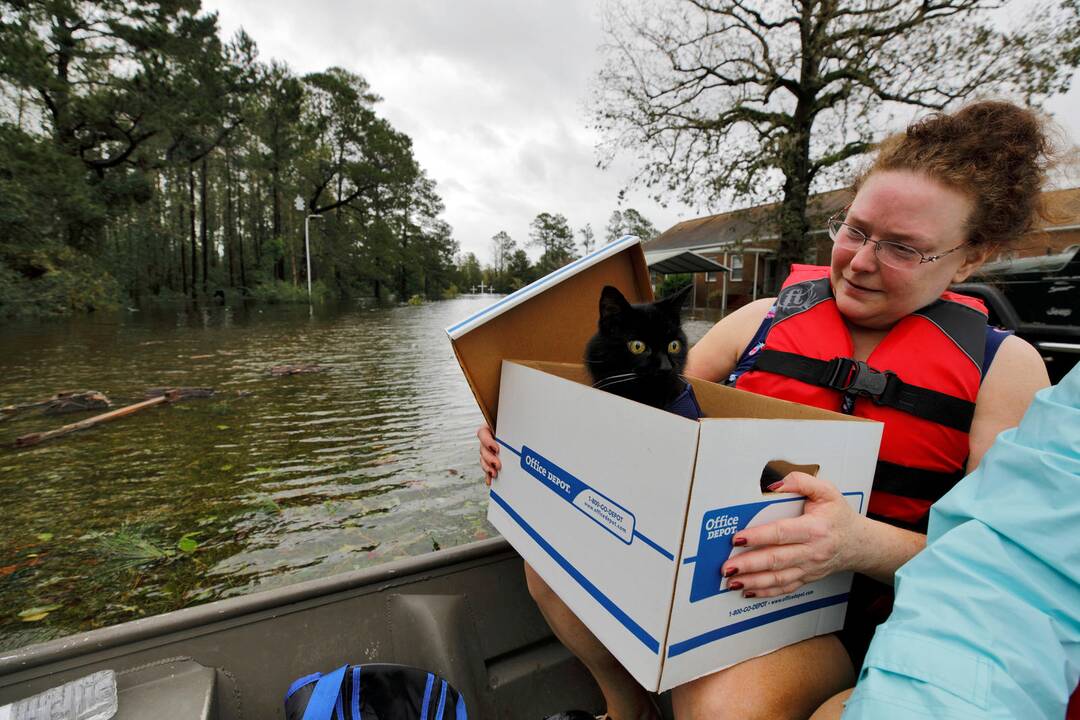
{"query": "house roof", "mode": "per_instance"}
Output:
(1063, 208)
(747, 224)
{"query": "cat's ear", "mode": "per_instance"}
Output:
(612, 302)
(674, 302)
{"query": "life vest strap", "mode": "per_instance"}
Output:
(855, 377)
(914, 482)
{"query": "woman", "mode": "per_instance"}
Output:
(937, 201)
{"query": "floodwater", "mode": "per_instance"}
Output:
(271, 481)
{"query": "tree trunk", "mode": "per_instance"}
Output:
(403, 270)
(230, 234)
(191, 223)
(253, 199)
(792, 223)
(275, 204)
(240, 233)
(202, 226)
(292, 264)
(180, 234)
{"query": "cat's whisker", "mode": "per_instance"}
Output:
(615, 380)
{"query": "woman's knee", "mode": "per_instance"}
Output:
(719, 696)
(540, 591)
(788, 683)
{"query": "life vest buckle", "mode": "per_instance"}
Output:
(855, 377)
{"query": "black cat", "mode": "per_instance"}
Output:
(639, 351)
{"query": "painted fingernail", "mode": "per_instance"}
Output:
(734, 585)
(731, 571)
(775, 486)
(739, 541)
(749, 594)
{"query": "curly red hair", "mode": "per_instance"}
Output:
(995, 152)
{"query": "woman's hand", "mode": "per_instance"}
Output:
(489, 454)
(789, 553)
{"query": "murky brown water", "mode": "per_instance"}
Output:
(272, 481)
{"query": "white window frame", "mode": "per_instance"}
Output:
(736, 267)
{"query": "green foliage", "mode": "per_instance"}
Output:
(671, 283)
(630, 222)
(142, 155)
(553, 234)
(63, 281)
(278, 292)
(469, 272)
(130, 547)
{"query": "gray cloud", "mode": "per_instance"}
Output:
(492, 94)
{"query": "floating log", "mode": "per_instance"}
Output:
(185, 393)
(282, 370)
(62, 402)
(35, 438)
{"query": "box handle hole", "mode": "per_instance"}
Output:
(775, 470)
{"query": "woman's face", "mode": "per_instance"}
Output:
(907, 208)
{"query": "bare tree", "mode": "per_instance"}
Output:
(759, 99)
(588, 238)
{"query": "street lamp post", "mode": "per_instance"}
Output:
(307, 242)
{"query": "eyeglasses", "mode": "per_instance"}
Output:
(895, 255)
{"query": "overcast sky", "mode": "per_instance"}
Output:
(493, 94)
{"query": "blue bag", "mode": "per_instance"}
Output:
(379, 691)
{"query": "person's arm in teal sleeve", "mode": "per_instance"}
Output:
(986, 622)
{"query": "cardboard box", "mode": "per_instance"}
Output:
(627, 511)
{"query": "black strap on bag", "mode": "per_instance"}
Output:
(855, 377)
(379, 691)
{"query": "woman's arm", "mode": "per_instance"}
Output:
(1015, 375)
(829, 537)
(715, 355)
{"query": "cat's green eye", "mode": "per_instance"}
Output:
(636, 346)
(674, 347)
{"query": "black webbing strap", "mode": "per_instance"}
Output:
(855, 377)
(912, 482)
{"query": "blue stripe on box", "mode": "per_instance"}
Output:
(636, 630)
(516, 452)
(735, 628)
(644, 538)
(654, 546)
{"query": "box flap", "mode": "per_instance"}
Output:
(551, 319)
(721, 401)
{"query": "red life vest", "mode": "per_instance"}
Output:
(921, 381)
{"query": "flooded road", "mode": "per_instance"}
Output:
(273, 480)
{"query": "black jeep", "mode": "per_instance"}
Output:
(1039, 299)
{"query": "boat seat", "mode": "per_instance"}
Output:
(173, 690)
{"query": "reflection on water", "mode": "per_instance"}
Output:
(271, 481)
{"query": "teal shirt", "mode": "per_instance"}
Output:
(986, 622)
